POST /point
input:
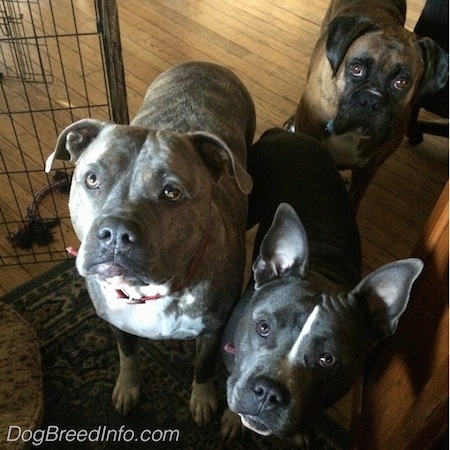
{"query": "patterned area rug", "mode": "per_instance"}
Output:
(80, 363)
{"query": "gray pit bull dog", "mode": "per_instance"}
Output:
(160, 208)
(302, 333)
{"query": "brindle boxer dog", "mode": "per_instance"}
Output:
(366, 73)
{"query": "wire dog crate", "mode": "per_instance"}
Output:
(60, 61)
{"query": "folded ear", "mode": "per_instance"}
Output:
(74, 140)
(284, 248)
(386, 294)
(342, 32)
(220, 160)
(435, 61)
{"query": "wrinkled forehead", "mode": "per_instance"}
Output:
(388, 48)
(120, 146)
(290, 299)
(115, 143)
(334, 322)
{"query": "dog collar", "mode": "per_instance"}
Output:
(193, 269)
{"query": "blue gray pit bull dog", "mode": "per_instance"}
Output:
(160, 208)
(301, 335)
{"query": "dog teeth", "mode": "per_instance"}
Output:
(134, 301)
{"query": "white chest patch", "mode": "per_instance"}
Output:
(306, 330)
(162, 318)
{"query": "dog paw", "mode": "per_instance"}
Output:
(203, 403)
(126, 395)
(231, 425)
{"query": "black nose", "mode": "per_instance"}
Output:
(117, 233)
(369, 101)
(269, 395)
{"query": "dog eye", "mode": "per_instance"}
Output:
(400, 83)
(171, 193)
(263, 328)
(357, 70)
(92, 181)
(328, 361)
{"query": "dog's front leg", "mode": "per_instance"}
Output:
(127, 390)
(360, 181)
(203, 403)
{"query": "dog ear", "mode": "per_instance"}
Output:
(284, 248)
(73, 141)
(386, 294)
(342, 32)
(220, 160)
(435, 61)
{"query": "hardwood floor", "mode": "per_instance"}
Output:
(268, 44)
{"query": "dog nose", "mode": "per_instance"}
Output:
(370, 101)
(269, 395)
(115, 233)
